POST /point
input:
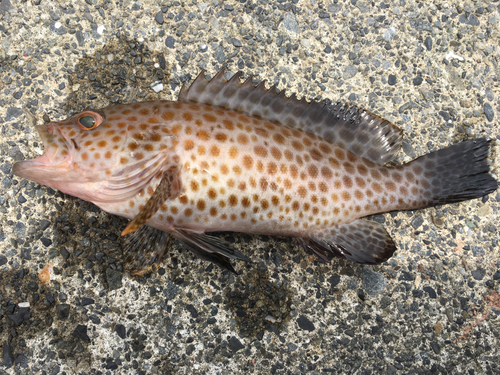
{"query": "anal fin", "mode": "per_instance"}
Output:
(144, 250)
(361, 241)
(168, 188)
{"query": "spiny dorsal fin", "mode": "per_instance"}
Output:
(361, 132)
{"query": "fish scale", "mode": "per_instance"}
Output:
(239, 171)
(228, 156)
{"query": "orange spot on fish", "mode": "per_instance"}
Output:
(302, 191)
(245, 202)
(133, 146)
(188, 144)
(233, 152)
(209, 118)
(221, 137)
(167, 115)
(228, 124)
(214, 151)
(139, 136)
(391, 186)
(260, 151)
(224, 169)
(203, 135)
(233, 200)
(200, 205)
(237, 169)
(377, 187)
(262, 132)
(247, 161)
(242, 139)
(272, 168)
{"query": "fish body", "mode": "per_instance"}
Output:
(232, 157)
(245, 174)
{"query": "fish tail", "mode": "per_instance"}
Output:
(454, 174)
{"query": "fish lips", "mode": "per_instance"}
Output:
(40, 170)
(44, 168)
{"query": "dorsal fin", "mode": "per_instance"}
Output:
(361, 132)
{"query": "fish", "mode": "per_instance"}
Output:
(229, 155)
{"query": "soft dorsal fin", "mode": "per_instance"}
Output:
(361, 132)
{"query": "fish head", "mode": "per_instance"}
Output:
(94, 155)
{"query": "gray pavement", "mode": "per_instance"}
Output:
(67, 307)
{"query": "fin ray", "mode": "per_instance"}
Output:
(215, 258)
(168, 188)
(361, 241)
(144, 250)
(454, 174)
(209, 244)
(361, 132)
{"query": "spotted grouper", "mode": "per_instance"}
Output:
(231, 156)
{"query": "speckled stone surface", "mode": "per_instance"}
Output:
(67, 307)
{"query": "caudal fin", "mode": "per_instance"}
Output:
(454, 174)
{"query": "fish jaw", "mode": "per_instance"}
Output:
(56, 161)
(41, 169)
(58, 176)
(56, 167)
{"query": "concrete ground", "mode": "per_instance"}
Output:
(67, 306)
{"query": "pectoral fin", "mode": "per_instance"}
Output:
(168, 188)
(361, 241)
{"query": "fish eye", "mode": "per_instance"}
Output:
(87, 121)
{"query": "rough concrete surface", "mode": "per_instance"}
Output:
(67, 307)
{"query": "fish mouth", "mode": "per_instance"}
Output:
(49, 166)
(40, 169)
